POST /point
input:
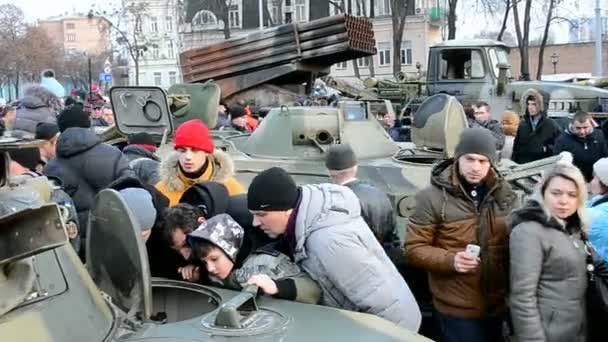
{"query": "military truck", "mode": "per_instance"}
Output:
(479, 69)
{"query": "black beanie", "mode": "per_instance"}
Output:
(28, 157)
(340, 157)
(210, 197)
(272, 190)
(142, 138)
(73, 117)
(477, 141)
(46, 130)
(237, 112)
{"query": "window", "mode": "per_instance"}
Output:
(341, 65)
(458, 64)
(170, 50)
(169, 24)
(233, 16)
(158, 79)
(155, 52)
(337, 8)
(71, 37)
(499, 56)
(138, 21)
(70, 26)
(406, 53)
(277, 11)
(154, 24)
(301, 14)
(205, 19)
(172, 78)
(384, 52)
(383, 8)
(363, 62)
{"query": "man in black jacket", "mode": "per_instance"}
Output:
(586, 144)
(142, 159)
(376, 208)
(83, 163)
(537, 132)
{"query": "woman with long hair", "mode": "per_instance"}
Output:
(548, 260)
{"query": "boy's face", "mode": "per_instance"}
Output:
(218, 264)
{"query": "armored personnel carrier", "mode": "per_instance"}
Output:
(297, 138)
(47, 294)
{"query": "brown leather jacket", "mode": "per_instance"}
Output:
(445, 221)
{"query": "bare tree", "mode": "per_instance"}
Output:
(505, 18)
(541, 50)
(12, 30)
(136, 11)
(523, 40)
(452, 19)
(398, 16)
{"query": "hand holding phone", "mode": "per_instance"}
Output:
(467, 260)
(473, 251)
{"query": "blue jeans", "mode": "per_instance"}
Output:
(471, 330)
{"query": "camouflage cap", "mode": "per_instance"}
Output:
(224, 232)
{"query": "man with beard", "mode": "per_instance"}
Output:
(466, 204)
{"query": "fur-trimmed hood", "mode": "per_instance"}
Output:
(223, 168)
(534, 211)
(542, 100)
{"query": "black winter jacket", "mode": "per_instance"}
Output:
(534, 144)
(144, 163)
(163, 260)
(585, 151)
(85, 166)
(377, 211)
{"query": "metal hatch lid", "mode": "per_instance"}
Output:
(437, 124)
(141, 109)
(116, 255)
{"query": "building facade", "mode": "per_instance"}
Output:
(78, 34)
(154, 25)
(567, 65)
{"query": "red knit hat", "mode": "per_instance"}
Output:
(194, 134)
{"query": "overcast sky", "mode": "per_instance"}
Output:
(41, 9)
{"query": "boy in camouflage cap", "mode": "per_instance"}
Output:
(217, 243)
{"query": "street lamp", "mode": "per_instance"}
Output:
(554, 61)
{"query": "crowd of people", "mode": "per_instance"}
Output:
(498, 264)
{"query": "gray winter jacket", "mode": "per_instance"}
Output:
(144, 163)
(338, 250)
(548, 278)
(32, 112)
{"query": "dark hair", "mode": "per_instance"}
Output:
(531, 98)
(201, 248)
(469, 111)
(182, 216)
(581, 117)
(48, 73)
(483, 104)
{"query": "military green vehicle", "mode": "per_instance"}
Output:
(479, 69)
(47, 294)
(297, 138)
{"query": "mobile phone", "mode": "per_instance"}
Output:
(473, 250)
